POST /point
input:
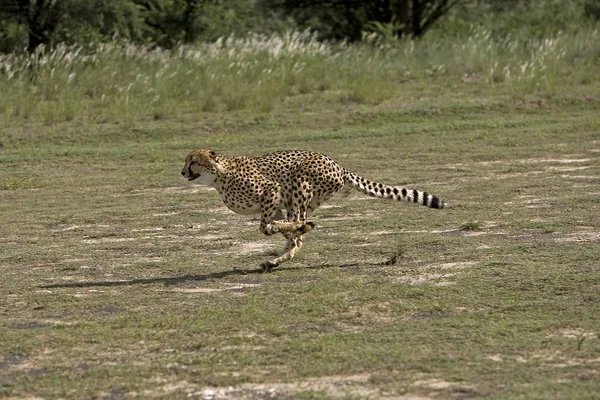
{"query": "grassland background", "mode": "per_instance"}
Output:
(121, 280)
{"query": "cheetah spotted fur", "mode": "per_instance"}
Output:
(295, 181)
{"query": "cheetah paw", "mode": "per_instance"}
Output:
(309, 226)
(268, 266)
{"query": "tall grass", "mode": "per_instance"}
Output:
(122, 82)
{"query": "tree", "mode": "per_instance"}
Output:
(347, 19)
(41, 18)
(71, 21)
(172, 21)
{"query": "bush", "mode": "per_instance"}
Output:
(518, 18)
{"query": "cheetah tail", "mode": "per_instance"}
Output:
(393, 192)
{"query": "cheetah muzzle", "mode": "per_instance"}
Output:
(295, 181)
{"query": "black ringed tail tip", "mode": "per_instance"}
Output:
(376, 189)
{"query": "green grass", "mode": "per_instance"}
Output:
(121, 280)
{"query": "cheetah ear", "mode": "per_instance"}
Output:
(212, 154)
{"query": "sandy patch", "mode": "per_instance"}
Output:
(438, 384)
(171, 189)
(574, 333)
(328, 206)
(556, 358)
(74, 260)
(194, 238)
(407, 397)
(220, 210)
(434, 275)
(379, 233)
(513, 175)
(575, 362)
(88, 293)
(212, 237)
(456, 265)
(234, 287)
(559, 160)
(254, 247)
(526, 161)
(433, 279)
(334, 386)
(148, 260)
(340, 217)
(151, 229)
(24, 398)
(166, 214)
(428, 232)
(579, 237)
(567, 169)
(579, 176)
(175, 189)
(109, 240)
(77, 227)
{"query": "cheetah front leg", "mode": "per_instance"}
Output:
(290, 229)
(291, 248)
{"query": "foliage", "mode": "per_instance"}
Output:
(39, 17)
(92, 21)
(343, 19)
(592, 9)
(68, 21)
(519, 18)
(167, 23)
(13, 35)
(159, 22)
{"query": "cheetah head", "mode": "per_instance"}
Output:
(201, 166)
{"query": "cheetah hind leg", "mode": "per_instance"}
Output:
(291, 248)
(289, 229)
(293, 232)
(293, 229)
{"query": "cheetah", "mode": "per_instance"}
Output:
(295, 181)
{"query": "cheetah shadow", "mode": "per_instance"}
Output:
(175, 280)
(167, 281)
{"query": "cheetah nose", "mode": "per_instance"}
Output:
(183, 173)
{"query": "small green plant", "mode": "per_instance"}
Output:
(470, 226)
(18, 183)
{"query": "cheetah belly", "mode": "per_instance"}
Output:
(244, 209)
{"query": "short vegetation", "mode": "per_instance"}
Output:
(122, 280)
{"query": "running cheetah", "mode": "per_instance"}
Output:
(295, 181)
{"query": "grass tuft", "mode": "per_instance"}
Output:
(470, 226)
